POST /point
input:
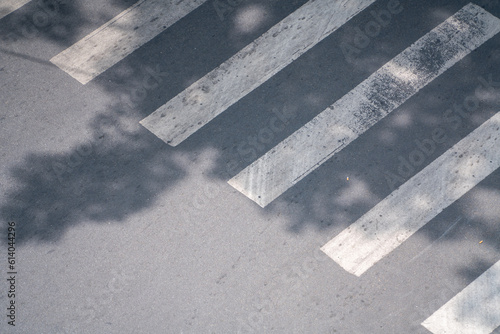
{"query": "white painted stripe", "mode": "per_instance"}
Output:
(248, 69)
(121, 36)
(8, 6)
(474, 310)
(381, 93)
(417, 201)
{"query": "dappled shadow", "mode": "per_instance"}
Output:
(301, 91)
(313, 82)
(120, 171)
(124, 168)
(57, 21)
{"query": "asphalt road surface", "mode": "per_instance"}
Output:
(250, 166)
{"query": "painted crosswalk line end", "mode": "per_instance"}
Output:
(121, 36)
(474, 310)
(416, 202)
(190, 110)
(381, 93)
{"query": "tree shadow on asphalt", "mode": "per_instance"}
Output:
(99, 181)
(42, 20)
(325, 199)
(58, 21)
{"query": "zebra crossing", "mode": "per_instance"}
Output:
(248, 69)
(417, 201)
(377, 96)
(397, 217)
(121, 36)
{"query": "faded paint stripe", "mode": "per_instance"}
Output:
(9, 6)
(121, 36)
(417, 201)
(248, 69)
(474, 310)
(381, 93)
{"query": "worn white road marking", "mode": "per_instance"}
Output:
(417, 201)
(121, 36)
(381, 93)
(474, 310)
(248, 69)
(8, 6)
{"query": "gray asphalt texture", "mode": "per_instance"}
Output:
(117, 232)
